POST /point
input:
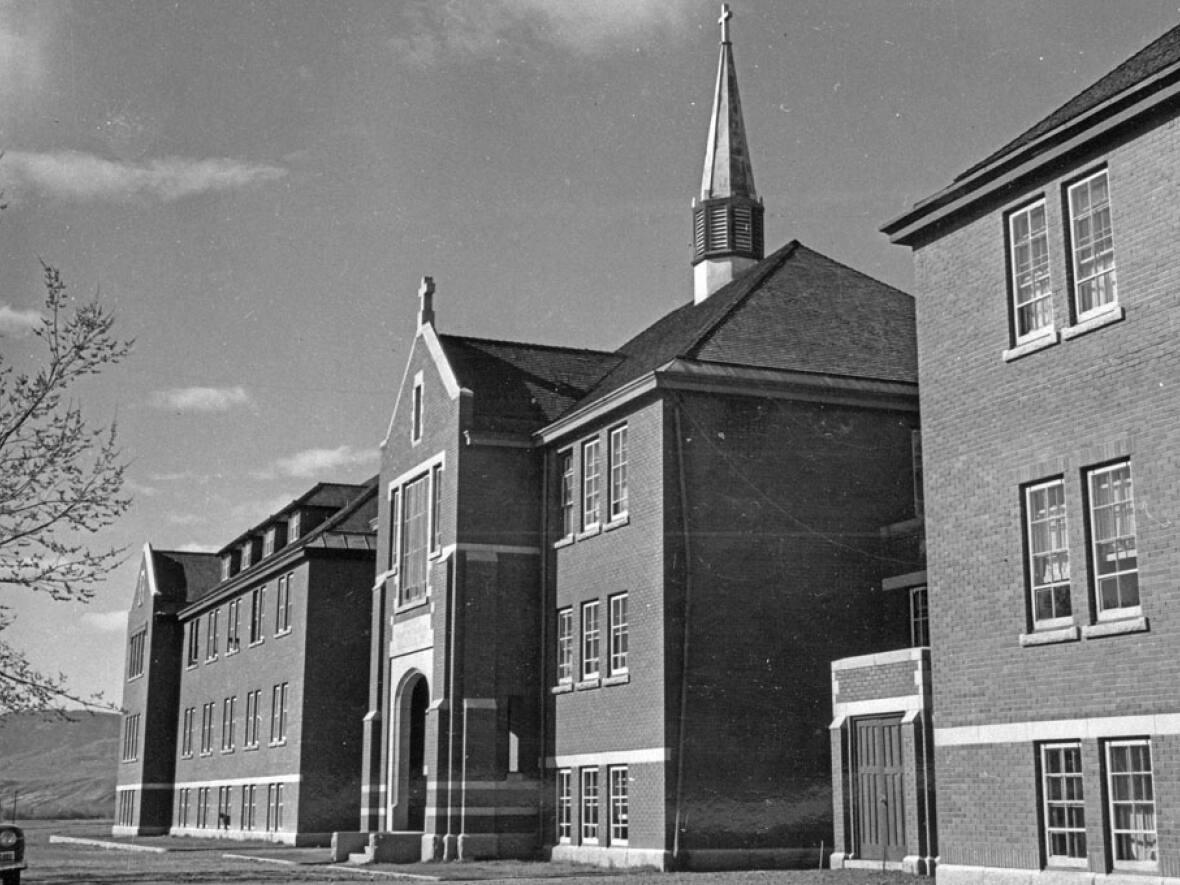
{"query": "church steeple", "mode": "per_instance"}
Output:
(727, 217)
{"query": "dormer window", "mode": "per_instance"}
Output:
(293, 526)
(230, 564)
(274, 539)
(247, 549)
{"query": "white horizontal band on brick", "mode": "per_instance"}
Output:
(370, 788)
(124, 787)
(498, 548)
(470, 786)
(483, 811)
(875, 707)
(614, 757)
(899, 656)
(1057, 729)
(241, 781)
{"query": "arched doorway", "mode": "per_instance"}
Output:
(408, 790)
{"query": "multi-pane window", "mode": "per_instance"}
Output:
(395, 521)
(283, 605)
(194, 642)
(186, 732)
(208, 715)
(591, 483)
(1093, 244)
(202, 807)
(591, 640)
(126, 808)
(249, 805)
(414, 539)
(1031, 293)
(1048, 553)
(257, 614)
(618, 634)
(278, 714)
(211, 635)
(565, 805)
(1065, 807)
(274, 807)
(919, 616)
(436, 508)
(565, 645)
(1132, 804)
(135, 653)
(131, 737)
(618, 805)
(233, 622)
(184, 800)
(224, 796)
(253, 717)
(565, 466)
(590, 806)
(1112, 532)
(229, 713)
(618, 473)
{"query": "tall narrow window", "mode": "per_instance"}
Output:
(591, 641)
(1065, 807)
(135, 653)
(233, 626)
(591, 484)
(194, 642)
(253, 717)
(618, 473)
(249, 805)
(916, 460)
(183, 801)
(395, 522)
(283, 605)
(274, 807)
(1031, 292)
(416, 418)
(436, 508)
(618, 805)
(565, 465)
(1112, 530)
(565, 805)
(1093, 245)
(208, 719)
(211, 620)
(186, 732)
(1048, 553)
(565, 645)
(278, 714)
(229, 715)
(919, 617)
(1132, 804)
(257, 615)
(414, 539)
(618, 634)
(131, 737)
(224, 801)
(589, 806)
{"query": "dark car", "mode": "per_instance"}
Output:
(12, 854)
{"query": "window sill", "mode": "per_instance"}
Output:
(1039, 343)
(257, 642)
(228, 752)
(410, 606)
(191, 665)
(211, 660)
(588, 533)
(232, 651)
(1106, 317)
(434, 555)
(281, 743)
(617, 522)
(1049, 637)
(587, 684)
(249, 749)
(1067, 863)
(135, 677)
(563, 542)
(1115, 628)
(286, 632)
(617, 679)
(563, 688)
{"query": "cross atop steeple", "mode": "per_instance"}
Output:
(726, 15)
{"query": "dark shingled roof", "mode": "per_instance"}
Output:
(795, 310)
(184, 576)
(1148, 61)
(520, 387)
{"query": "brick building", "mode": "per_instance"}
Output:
(228, 655)
(1048, 360)
(609, 583)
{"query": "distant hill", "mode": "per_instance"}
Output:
(58, 767)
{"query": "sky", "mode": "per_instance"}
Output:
(256, 188)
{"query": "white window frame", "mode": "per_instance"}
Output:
(591, 484)
(233, 627)
(1063, 790)
(136, 649)
(131, 737)
(253, 717)
(1080, 245)
(283, 605)
(590, 805)
(565, 806)
(186, 734)
(417, 408)
(1039, 272)
(408, 594)
(278, 714)
(208, 721)
(1113, 803)
(565, 646)
(1051, 521)
(617, 473)
(434, 533)
(619, 634)
(211, 634)
(229, 716)
(258, 615)
(1097, 541)
(567, 484)
(620, 815)
(591, 640)
(193, 656)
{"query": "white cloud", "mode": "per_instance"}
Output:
(194, 547)
(75, 175)
(483, 27)
(314, 463)
(14, 322)
(201, 399)
(106, 622)
(24, 31)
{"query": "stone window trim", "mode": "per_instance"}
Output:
(1128, 768)
(1032, 345)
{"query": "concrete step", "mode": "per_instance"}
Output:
(361, 857)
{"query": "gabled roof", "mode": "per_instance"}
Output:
(182, 576)
(1150, 60)
(795, 310)
(519, 387)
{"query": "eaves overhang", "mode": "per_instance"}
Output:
(1005, 171)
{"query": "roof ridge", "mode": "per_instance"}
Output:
(752, 282)
(530, 344)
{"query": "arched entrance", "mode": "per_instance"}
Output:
(408, 773)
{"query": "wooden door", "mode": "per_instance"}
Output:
(880, 798)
